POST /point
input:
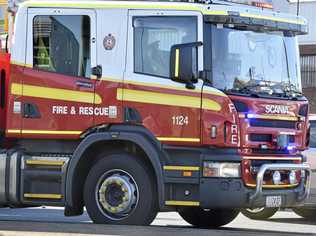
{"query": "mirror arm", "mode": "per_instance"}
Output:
(97, 71)
(189, 85)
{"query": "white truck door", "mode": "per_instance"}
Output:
(167, 108)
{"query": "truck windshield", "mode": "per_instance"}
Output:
(252, 62)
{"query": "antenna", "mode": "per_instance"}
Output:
(298, 7)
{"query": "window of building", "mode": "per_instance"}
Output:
(153, 39)
(61, 44)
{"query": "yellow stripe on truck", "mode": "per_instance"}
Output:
(166, 99)
(55, 93)
(188, 168)
(176, 139)
(56, 132)
(182, 203)
(43, 196)
(176, 69)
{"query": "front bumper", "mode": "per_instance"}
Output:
(231, 193)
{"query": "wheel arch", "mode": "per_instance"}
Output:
(114, 138)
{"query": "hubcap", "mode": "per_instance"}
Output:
(117, 194)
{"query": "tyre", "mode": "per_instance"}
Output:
(205, 218)
(119, 189)
(306, 213)
(259, 213)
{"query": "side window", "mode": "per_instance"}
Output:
(313, 134)
(61, 44)
(153, 39)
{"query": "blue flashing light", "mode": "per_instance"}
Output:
(250, 116)
(290, 148)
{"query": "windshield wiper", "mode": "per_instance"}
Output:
(288, 90)
(257, 88)
(287, 62)
(250, 88)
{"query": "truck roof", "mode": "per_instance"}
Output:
(219, 8)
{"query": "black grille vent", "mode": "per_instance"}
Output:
(273, 123)
(260, 137)
(267, 138)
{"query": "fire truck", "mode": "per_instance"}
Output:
(129, 108)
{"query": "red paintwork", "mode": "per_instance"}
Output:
(4, 68)
(226, 117)
(57, 122)
(256, 106)
(156, 118)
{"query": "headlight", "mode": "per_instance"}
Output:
(219, 169)
(292, 177)
(277, 177)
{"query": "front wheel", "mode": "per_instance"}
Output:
(306, 213)
(207, 218)
(259, 213)
(119, 189)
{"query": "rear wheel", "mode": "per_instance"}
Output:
(207, 218)
(306, 213)
(259, 213)
(119, 189)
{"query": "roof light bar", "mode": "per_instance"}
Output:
(256, 3)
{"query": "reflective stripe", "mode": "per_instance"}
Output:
(45, 162)
(188, 168)
(182, 203)
(176, 69)
(13, 131)
(166, 99)
(55, 93)
(43, 196)
(175, 139)
(61, 132)
(21, 64)
(206, 90)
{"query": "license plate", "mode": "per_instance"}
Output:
(273, 201)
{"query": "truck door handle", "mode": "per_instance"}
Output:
(84, 84)
(30, 110)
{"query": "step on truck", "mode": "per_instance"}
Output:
(129, 108)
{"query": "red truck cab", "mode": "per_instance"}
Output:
(130, 108)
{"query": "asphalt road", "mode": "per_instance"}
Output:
(50, 221)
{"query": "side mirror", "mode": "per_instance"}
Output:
(184, 63)
(97, 71)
